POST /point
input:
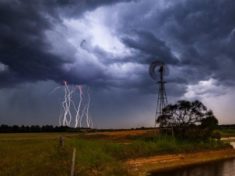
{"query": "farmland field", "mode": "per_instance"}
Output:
(98, 153)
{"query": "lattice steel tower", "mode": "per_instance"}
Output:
(160, 67)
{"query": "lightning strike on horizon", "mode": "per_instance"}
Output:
(83, 109)
(80, 110)
(66, 104)
(88, 120)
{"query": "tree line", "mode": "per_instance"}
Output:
(36, 128)
(50, 128)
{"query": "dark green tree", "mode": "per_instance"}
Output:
(209, 121)
(184, 117)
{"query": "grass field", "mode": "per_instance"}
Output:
(227, 132)
(101, 153)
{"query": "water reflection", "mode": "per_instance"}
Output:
(222, 168)
(233, 144)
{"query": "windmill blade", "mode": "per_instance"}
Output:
(152, 69)
(166, 70)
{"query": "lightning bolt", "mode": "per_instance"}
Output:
(87, 108)
(78, 109)
(67, 117)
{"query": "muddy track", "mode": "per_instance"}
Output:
(142, 166)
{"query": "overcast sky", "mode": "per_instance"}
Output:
(108, 45)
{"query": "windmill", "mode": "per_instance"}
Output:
(157, 70)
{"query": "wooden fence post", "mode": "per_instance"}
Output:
(73, 161)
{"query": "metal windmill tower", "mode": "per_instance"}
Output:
(157, 70)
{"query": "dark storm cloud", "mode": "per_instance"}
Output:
(148, 44)
(196, 37)
(23, 47)
(204, 30)
(74, 8)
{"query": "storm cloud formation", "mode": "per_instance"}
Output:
(108, 45)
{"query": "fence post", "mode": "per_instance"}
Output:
(73, 161)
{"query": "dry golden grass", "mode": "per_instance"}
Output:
(122, 134)
(32, 154)
(101, 153)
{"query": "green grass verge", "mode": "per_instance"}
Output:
(40, 154)
(226, 132)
